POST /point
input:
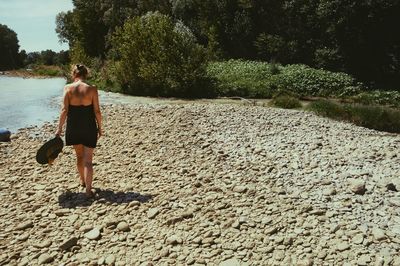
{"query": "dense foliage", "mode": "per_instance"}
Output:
(356, 37)
(9, 56)
(263, 80)
(155, 56)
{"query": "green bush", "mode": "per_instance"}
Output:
(261, 80)
(155, 56)
(391, 98)
(243, 78)
(374, 117)
(307, 81)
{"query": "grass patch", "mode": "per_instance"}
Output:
(374, 117)
(286, 100)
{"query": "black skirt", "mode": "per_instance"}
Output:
(81, 126)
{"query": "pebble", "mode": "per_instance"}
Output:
(93, 234)
(110, 259)
(230, 262)
(364, 260)
(343, 246)
(173, 240)
(378, 234)
(123, 226)
(357, 186)
(152, 213)
(45, 258)
(358, 239)
(24, 225)
(240, 189)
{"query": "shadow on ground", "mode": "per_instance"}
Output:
(70, 199)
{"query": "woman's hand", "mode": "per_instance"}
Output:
(99, 132)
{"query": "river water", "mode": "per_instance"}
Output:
(26, 102)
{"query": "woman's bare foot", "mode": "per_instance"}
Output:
(82, 183)
(89, 193)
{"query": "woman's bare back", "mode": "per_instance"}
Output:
(80, 93)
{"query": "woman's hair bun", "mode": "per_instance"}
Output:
(79, 70)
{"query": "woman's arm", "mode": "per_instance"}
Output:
(97, 111)
(64, 112)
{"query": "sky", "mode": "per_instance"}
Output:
(34, 22)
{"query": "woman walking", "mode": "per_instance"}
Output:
(81, 110)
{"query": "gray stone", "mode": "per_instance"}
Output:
(271, 230)
(395, 202)
(62, 212)
(230, 262)
(342, 246)
(164, 252)
(378, 234)
(110, 259)
(101, 261)
(279, 255)
(173, 240)
(364, 260)
(322, 254)
(93, 234)
(240, 189)
(123, 226)
(357, 186)
(43, 244)
(24, 225)
(152, 213)
(45, 258)
(23, 237)
(236, 225)
(358, 239)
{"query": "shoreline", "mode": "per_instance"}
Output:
(25, 74)
(206, 184)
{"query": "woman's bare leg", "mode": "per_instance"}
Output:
(88, 169)
(80, 164)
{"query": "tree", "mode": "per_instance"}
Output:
(365, 36)
(156, 56)
(9, 57)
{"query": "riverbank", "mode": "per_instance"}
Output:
(40, 72)
(206, 184)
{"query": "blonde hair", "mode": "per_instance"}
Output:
(79, 70)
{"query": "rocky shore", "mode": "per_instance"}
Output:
(206, 184)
